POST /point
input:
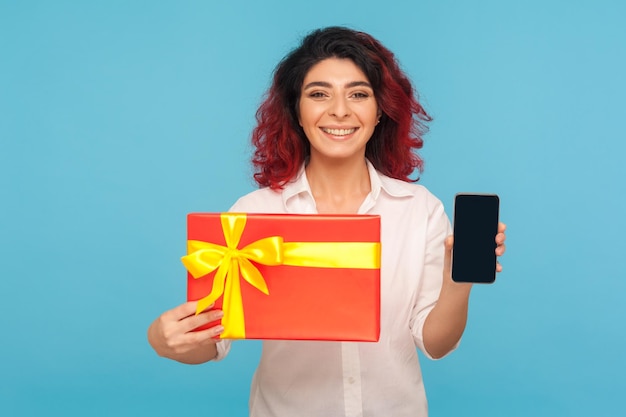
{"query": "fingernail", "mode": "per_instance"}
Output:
(219, 329)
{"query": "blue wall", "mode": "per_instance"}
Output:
(117, 118)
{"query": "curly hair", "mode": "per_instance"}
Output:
(280, 143)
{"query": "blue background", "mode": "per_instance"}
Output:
(117, 118)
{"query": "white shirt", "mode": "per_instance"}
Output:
(382, 379)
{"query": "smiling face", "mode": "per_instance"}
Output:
(337, 110)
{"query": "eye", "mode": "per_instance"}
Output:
(317, 94)
(360, 95)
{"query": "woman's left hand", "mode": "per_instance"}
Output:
(501, 247)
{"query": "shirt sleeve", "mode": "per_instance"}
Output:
(223, 347)
(437, 229)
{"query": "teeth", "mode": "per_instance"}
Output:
(339, 132)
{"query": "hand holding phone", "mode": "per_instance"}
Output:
(475, 229)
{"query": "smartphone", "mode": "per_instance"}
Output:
(475, 229)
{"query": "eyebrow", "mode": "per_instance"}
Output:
(325, 84)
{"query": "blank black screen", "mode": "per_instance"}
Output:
(475, 228)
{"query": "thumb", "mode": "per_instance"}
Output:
(447, 259)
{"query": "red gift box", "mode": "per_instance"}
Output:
(286, 276)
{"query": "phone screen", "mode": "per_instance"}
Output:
(475, 229)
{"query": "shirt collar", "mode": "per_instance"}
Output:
(379, 182)
(391, 186)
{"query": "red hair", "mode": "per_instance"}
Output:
(281, 146)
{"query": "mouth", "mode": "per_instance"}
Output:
(339, 132)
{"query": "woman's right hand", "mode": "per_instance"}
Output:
(171, 335)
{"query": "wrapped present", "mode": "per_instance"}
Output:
(286, 276)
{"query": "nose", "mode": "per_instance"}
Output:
(339, 107)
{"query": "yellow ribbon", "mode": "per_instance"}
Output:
(206, 257)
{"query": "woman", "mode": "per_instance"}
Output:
(336, 134)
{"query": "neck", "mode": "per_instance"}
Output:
(338, 187)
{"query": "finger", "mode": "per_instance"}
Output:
(501, 227)
(184, 310)
(498, 267)
(203, 336)
(500, 249)
(500, 238)
(193, 322)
